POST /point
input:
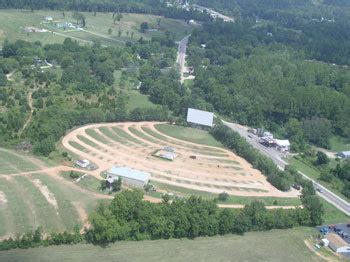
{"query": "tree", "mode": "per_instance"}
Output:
(223, 196)
(109, 31)
(3, 79)
(119, 33)
(143, 27)
(314, 206)
(117, 184)
(322, 158)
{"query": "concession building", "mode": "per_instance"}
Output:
(130, 177)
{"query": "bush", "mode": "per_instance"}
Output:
(223, 196)
(74, 175)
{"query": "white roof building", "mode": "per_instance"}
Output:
(129, 176)
(283, 144)
(200, 117)
(344, 154)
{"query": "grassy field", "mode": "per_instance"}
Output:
(189, 134)
(255, 246)
(13, 23)
(339, 144)
(239, 200)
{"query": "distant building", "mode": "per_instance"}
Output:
(83, 163)
(48, 18)
(337, 244)
(199, 117)
(130, 177)
(282, 145)
(344, 154)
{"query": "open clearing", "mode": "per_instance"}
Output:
(14, 22)
(132, 144)
(33, 194)
(254, 246)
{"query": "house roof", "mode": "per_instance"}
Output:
(129, 173)
(345, 153)
(336, 240)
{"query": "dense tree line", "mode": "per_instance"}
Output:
(232, 140)
(87, 71)
(243, 73)
(128, 217)
(156, 7)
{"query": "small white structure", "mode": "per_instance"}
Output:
(267, 134)
(203, 46)
(48, 18)
(325, 242)
(83, 163)
(131, 177)
(282, 145)
(200, 117)
(337, 244)
(344, 154)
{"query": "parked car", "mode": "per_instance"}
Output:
(348, 225)
(319, 190)
(296, 186)
(324, 230)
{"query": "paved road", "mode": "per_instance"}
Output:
(277, 156)
(212, 12)
(181, 55)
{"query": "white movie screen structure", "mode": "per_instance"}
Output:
(200, 117)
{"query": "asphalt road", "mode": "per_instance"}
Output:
(277, 156)
(181, 55)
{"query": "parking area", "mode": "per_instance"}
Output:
(343, 230)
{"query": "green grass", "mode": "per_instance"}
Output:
(96, 136)
(44, 213)
(17, 212)
(273, 246)
(239, 200)
(332, 214)
(189, 134)
(339, 144)
(13, 163)
(201, 150)
(315, 174)
(112, 135)
(77, 146)
(67, 212)
(142, 135)
(13, 23)
(88, 182)
(126, 136)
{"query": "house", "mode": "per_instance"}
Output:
(325, 242)
(130, 177)
(82, 163)
(344, 154)
(337, 244)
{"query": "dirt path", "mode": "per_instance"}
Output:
(204, 174)
(29, 119)
(311, 248)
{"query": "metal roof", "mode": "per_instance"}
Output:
(129, 173)
(336, 240)
(200, 117)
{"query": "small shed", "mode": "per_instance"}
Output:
(337, 244)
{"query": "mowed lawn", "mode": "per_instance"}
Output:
(275, 245)
(13, 23)
(188, 134)
(25, 206)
